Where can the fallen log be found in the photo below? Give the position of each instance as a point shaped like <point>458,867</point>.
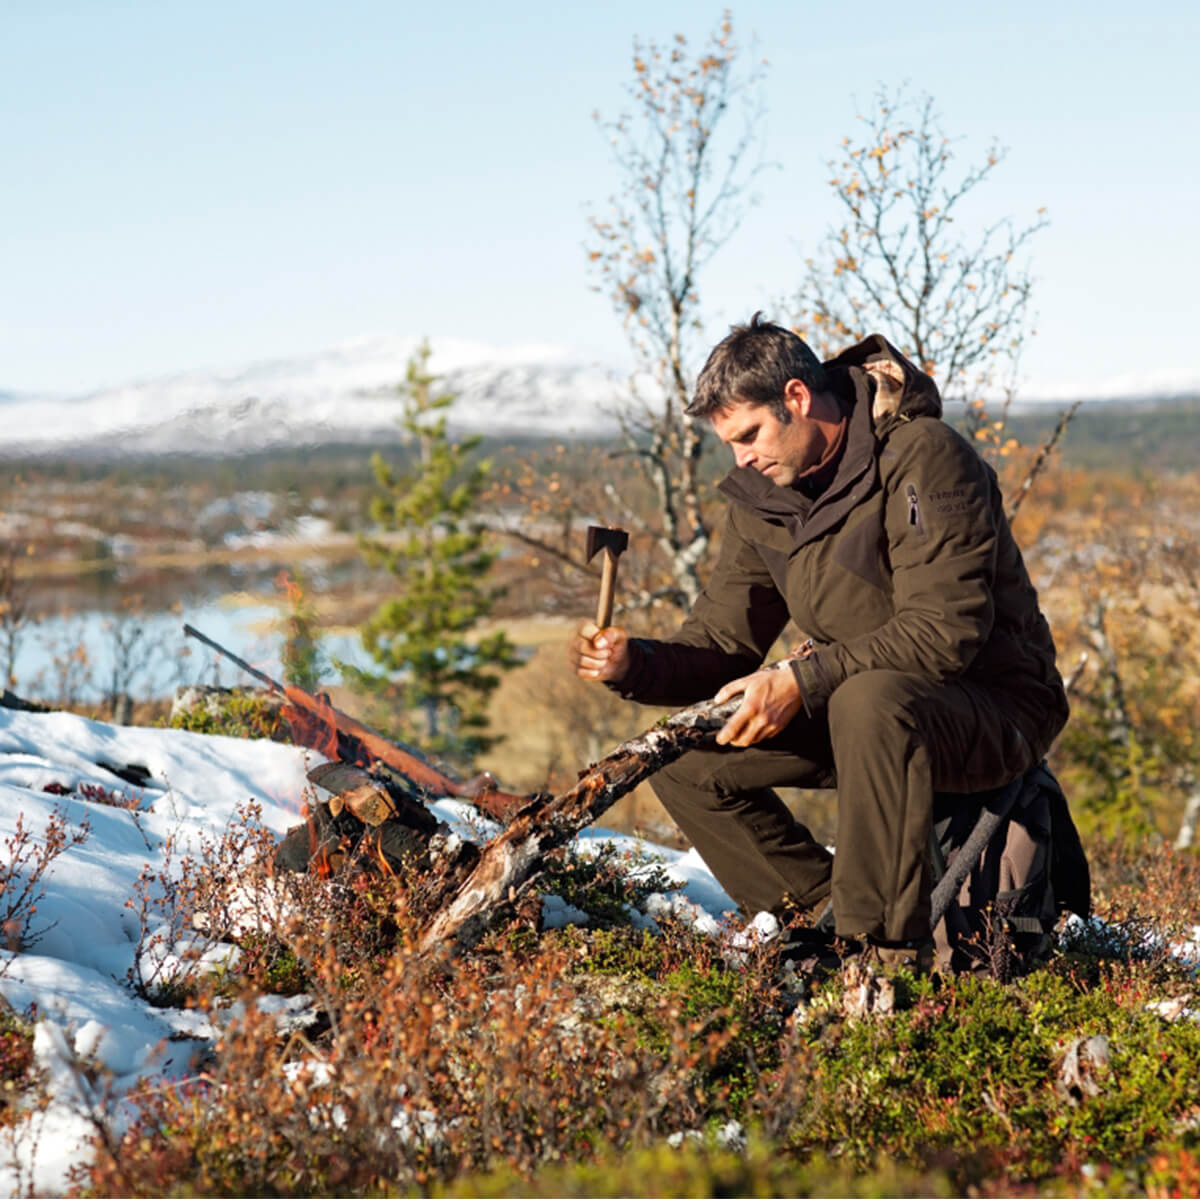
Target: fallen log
<point>508,863</point>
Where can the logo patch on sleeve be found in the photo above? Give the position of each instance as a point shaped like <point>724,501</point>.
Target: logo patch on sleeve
<point>951,500</point>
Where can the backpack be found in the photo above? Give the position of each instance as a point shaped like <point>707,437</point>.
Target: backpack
<point>1006,864</point>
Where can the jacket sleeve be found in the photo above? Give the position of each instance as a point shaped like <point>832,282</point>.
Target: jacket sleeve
<point>940,524</point>
<point>733,624</point>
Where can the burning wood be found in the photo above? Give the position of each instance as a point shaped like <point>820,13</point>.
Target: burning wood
<point>372,823</point>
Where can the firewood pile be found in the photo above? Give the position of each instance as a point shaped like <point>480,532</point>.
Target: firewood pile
<point>378,820</point>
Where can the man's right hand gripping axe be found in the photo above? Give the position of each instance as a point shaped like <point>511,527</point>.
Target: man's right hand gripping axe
<point>600,650</point>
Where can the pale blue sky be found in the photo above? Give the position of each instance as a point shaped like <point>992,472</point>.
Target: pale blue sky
<point>206,184</point>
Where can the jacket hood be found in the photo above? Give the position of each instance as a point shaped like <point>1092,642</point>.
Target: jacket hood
<point>901,388</point>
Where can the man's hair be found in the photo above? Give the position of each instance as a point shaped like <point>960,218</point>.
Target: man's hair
<point>752,365</point>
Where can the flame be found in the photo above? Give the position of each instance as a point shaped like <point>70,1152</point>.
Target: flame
<point>376,837</point>
<point>312,721</point>
<point>318,856</point>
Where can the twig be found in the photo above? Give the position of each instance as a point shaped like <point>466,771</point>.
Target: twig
<point>1040,461</point>
<point>536,543</point>
<point>1074,677</point>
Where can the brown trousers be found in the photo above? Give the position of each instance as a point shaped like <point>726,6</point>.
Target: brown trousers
<point>887,741</point>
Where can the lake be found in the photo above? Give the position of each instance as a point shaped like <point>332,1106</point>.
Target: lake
<point>79,656</point>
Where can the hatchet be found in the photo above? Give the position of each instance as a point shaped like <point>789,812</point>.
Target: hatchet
<point>612,542</point>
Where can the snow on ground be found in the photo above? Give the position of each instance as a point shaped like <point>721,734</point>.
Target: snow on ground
<point>86,945</point>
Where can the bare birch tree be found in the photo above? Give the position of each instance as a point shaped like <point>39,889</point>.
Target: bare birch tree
<point>686,150</point>
<point>900,262</point>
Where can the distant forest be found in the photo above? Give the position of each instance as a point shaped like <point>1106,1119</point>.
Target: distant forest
<point>1121,435</point>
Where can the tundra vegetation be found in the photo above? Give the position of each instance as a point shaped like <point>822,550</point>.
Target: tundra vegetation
<point>623,1057</point>
<point>617,1059</point>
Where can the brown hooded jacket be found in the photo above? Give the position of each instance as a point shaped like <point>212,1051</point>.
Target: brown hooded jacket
<point>905,561</point>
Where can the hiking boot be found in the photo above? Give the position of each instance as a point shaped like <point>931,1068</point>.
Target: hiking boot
<point>812,955</point>
<point>916,955</point>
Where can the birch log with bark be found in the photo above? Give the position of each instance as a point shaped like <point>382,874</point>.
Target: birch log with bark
<point>510,861</point>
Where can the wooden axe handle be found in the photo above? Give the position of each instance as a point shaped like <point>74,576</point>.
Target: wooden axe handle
<point>608,580</point>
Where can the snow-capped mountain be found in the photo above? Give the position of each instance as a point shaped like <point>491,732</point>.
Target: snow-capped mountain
<point>345,394</point>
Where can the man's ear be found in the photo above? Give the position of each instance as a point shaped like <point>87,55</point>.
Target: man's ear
<point>797,398</point>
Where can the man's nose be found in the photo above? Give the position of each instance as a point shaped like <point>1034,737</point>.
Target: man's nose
<point>743,455</point>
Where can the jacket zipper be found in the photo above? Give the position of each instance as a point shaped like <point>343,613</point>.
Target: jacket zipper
<point>914,509</point>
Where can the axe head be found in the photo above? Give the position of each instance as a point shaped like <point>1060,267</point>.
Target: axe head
<point>601,537</point>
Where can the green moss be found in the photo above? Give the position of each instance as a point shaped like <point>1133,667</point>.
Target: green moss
<point>730,1015</point>
<point>703,1168</point>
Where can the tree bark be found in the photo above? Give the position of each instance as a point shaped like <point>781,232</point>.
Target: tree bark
<point>1187,827</point>
<point>508,863</point>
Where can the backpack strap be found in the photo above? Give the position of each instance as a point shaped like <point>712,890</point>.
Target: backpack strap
<point>995,809</point>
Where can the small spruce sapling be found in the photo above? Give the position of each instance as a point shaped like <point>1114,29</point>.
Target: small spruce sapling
<point>423,638</point>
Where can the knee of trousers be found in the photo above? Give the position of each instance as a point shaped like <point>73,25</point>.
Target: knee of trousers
<point>693,781</point>
<point>874,707</point>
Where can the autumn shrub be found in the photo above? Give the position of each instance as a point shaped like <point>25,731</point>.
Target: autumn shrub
<point>411,1069</point>
<point>607,1060</point>
<point>422,1073</point>
<point>24,862</point>
<point>1115,559</point>
<point>1149,877</point>
<point>17,1068</point>
<point>212,912</point>
<point>1174,1171</point>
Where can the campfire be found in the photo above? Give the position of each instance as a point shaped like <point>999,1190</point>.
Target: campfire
<point>378,819</point>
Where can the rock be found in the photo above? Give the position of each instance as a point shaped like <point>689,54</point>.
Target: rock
<point>1174,1008</point>
<point>1085,1061</point>
<point>866,993</point>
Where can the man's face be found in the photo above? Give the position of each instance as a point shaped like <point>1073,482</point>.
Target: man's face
<point>780,450</point>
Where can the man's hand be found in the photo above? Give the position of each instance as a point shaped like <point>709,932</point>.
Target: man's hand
<point>597,653</point>
<point>770,699</point>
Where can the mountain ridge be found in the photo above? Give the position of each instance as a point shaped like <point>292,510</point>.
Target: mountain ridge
<point>346,394</point>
